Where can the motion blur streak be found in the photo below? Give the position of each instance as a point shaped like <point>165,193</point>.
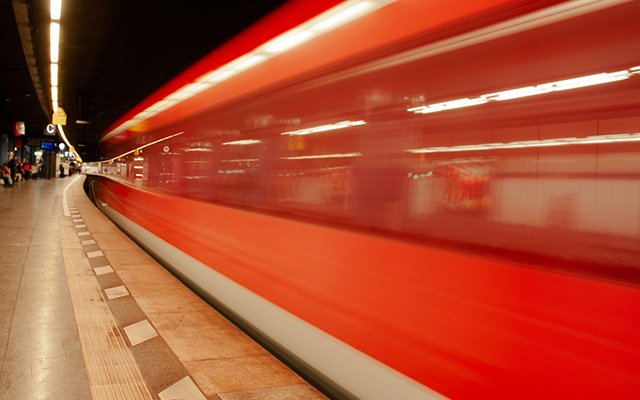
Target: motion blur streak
<point>486,250</point>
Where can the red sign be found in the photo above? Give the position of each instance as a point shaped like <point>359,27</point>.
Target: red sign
<point>20,129</point>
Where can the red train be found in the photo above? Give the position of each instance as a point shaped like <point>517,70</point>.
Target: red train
<point>410,199</point>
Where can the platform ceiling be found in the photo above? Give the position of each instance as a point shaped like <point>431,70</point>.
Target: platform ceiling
<point>113,53</point>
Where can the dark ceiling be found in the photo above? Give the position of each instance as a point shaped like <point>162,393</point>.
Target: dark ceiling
<point>112,55</point>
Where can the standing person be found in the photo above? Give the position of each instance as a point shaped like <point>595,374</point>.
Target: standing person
<point>12,167</point>
<point>61,171</point>
<point>26,169</point>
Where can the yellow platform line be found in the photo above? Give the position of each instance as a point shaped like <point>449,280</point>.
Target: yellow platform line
<point>112,369</point>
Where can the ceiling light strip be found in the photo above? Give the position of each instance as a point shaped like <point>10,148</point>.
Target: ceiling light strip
<point>324,128</point>
<point>568,141</point>
<point>244,142</point>
<point>323,156</point>
<point>567,84</point>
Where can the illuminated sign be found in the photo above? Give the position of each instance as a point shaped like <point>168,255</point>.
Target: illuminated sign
<point>20,129</point>
<point>50,130</point>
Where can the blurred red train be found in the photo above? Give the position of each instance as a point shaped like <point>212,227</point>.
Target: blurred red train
<point>409,199</point>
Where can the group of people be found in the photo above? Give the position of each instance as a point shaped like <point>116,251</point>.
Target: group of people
<point>16,171</point>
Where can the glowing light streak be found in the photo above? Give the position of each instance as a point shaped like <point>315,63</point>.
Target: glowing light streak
<point>324,128</point>
<point>567,84</point>
<point>143,146</point>
<point>54,74</point>
<point>568,141</point>
<point>54,42</point>
<point>331,19</point>
<point>56,9</point>
<point>321,156</point>
<point>244,142</point>
<point>448,105</point>
<point>288,40</point>
<point>344,15</point>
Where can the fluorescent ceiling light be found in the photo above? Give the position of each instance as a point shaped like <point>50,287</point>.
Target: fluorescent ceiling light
<point>55,41</point>
<point>242,142</point>
<point>56,9</point>
<point>54,105</point>
<point>448,105</point>
<point>54,74</point>
<point>324,128</point>
<point>567,141</point>
<point>54,94</point>
<point>517,93</point>
<point>321,156</point>
<point>590,80</point>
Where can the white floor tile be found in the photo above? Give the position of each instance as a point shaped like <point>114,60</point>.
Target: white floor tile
<point>103,270</point>
<point>87,242</point>
<point>116,292</point>
<point>140,332</point>
<point>183,389</point>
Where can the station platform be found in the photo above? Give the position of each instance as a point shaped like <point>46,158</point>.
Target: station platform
<point>86,314</point>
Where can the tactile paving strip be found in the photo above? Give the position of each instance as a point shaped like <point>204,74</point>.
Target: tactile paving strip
<point>112,369</point>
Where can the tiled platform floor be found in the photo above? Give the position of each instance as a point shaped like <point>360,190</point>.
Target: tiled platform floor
<point>136,332</point>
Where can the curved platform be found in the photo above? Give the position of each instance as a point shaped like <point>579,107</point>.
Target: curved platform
<point>85,313</point>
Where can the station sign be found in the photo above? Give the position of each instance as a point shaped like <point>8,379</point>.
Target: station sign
<point>59,117</point>
<point>50,130</point>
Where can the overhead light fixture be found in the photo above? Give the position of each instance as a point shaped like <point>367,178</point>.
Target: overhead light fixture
<point>54,74</point>
<point>54,93</point>
<point>56,9</point>
<point>448,105</point>
<point>567,84</point>
<point>324,128</point>
<point>322,156</point>
<point>567,141</point>
<point>55,41</point>
<point>244,142</point>
<point>54,105</point>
